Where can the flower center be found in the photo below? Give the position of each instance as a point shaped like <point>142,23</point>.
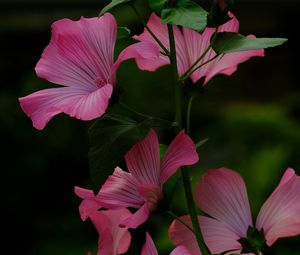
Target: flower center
<point>100,82</point>
<point>255,241</point>
<point>154,197</point>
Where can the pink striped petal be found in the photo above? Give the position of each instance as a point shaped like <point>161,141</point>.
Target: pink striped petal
<point>80,53</point>
<point>280,214</point>
<point>180,250</point>
<point>218,237</point>
<point>196,44</point>
<point>180,235</point>
<point>119,191</point>
<point>161,32</point>
<point>89,204</point>
<point>149,246</point>
<point>143,160</point>
<point>41,106</point>
<point>138,218</point>
<point>222,194</point>
<point>113,240</point>
<point>146,55</point>
<point>181,152</point>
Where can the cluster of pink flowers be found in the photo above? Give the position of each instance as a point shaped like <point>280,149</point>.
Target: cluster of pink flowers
<point>80,59</point>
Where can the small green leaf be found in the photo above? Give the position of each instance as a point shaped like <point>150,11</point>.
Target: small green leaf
<point>200,143</point>
<point>227,42</point>
<point>157,5</point>
<point>111,138</point>
<point>123,33</point>
<point>187,14</point>
<point>112,4</point>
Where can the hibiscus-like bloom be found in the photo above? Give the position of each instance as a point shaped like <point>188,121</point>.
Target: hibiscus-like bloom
<point>80,58</point>
<point>190,45</point>
<point>113,239</point>
<point>141,187</point>
<point>150,249</point>
<point>221,193</point>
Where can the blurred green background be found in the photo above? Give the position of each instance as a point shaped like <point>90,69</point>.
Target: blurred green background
<point>252,120</point>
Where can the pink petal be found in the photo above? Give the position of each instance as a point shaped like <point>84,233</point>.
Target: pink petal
<point>227,64</point>
<point>180,250</point>
<point>181,152</point>
<point>180,235</point>
<point>89,204</point>
<point>113,240</point>
<point>161,31</point>
<point>222,194</point>
<point>149,246</point>
<point>218,237</point>
<point>78,102</point>
<point>280,214</point>
<point>138,218</point>
<point>146,55</point>
<point>80,52</point>
<point>152,194</point>
<point>143,160</point>
<point>119,191</point>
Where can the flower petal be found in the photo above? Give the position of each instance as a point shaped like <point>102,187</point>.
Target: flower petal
<point>181,152</point>
<point>180,250</point>
<point>143,160</point>
<point>161,32</point>
<point>41,106</point>
<point>119,191</point>
<point>218,237</point>
<point>113,239</point>
<point>222,194</point>
<point>138,218</point>
<point>80,52</point>
<point>146,55</point>
<point>280,214</point>
<point>226,64</point>
<point>149,246</point>
<point>180,235</point>
<point>89,204</point>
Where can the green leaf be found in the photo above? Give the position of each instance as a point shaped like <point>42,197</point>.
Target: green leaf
<point>227,42</point>
<point>157,5</point>
<point>111,138</point>
<point>187,14</point>
<point>123,33</point>
<point>112,4</point>
<point>200,143</point>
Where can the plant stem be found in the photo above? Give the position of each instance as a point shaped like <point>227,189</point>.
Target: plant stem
<point>168,123</point>
<point>188,116</point>
<point>178,119</point>
<point>166,51</point>
<point>175,81</point>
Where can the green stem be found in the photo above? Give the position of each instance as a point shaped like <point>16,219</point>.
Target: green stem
<point>168,123</point>
<point>178,119</point>
<point>188,116</point>
<point>175,81</point>
<point>166,51</point>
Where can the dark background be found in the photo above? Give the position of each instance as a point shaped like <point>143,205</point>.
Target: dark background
<point>252,120</point>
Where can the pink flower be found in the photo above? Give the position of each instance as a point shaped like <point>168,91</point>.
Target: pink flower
<point>221,193</point>
<point>80,58</point>
<point>141,187</point>
<point>190,45</point>
<point>113,239</point>
<point>150,249</point>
